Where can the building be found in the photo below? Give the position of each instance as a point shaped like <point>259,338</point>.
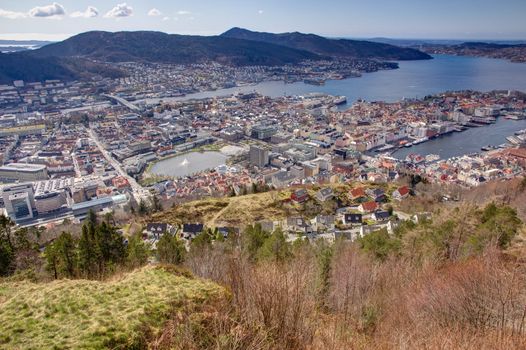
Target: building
<point>263,132</point>
<point>49,202</point>
<point>19,201</point>
<point>23,172</point>
<point>258,156</point>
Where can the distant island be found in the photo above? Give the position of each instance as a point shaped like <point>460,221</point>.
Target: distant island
<point>85,55</point>
<point>511,52</point>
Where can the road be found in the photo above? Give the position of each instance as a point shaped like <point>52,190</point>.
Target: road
<point>123,102</point>
<point>138,191</point>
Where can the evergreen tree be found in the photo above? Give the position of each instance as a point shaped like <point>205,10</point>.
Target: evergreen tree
<point>275,247</point>
<point>254,238</point>
<point>86,254</point>
<point>138,252</point>
<point>157,205</point>
<point>65,249</point>
<point>170,249</point>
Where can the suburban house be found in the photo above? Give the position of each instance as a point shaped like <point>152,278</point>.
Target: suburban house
<point>298,225</point>
<point>300,196</point>
<point>350,219</point>
<point>377,194</point>
<point>401,193</point>
<point>358,194</point>
<point>324,223</point>
<point>192,230</point>
<point>325,194</point>
<point>368,207</point>
<point>380,215</point>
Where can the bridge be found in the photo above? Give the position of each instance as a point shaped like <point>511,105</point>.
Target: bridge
<point>123,102</point>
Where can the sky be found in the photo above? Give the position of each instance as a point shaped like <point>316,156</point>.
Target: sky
<point>409,19</point>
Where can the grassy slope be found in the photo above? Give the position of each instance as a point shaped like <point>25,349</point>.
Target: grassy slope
<point>248,209</point>
<point>85,314</point>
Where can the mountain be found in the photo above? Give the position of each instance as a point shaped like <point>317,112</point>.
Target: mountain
<point>330,47</point>
<point>18,66</point>
<point>146,46</point>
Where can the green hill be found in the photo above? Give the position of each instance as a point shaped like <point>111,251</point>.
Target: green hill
<point>82,314</point>
<point>330,47</point>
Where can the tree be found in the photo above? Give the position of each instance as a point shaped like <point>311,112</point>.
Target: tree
<point>380,244</point>
<point>275,247</point>
<point>86,254</point>
<point>203,240</point>
<point>51,259</point>
<point>170,249</point>
<point>143,208</point>
<point>254,238</point>
<point>157,205</point>
<point>64,249</point>
<point>137,253</point>
<point>6,257</point>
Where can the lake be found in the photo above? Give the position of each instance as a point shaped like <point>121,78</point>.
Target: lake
<point>188,164</point>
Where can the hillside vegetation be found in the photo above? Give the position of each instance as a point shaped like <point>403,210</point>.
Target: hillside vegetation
<point>124,312</point>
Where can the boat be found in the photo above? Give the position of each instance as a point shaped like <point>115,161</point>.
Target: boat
<point>487,148</point>
<point>340,100</point>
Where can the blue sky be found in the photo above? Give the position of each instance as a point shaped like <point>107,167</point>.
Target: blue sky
<point>437,19</point>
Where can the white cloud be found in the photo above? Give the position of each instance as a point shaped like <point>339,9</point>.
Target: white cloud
<point>154,12</point>
<point>12,14</point>
<point>166,18</point>
<point>89,13</point>
<point>260,12</point>
<point>121,10</point>
<point>183,13</point>
<point>48,11</point>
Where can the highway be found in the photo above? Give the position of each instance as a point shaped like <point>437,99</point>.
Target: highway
<point>138,191</point>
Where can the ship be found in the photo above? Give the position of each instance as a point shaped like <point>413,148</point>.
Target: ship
<point>488,148</point>
<point>340,100</point>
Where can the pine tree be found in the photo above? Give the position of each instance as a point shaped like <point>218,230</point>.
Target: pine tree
<point>138,252</point>
<point>170,249</point>
<point>86,256</point>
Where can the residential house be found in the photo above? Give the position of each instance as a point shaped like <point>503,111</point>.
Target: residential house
<point>300,196</point>
<point>377,194</point>
<point>358,194</point>
<point>324,223</point>
<point>192,230</point>
<point>381,215</point>
<point>401,193</point>
<point>298,225</point>
<point>352,219</point>
<point>325,194</point>
<point>368,207</point>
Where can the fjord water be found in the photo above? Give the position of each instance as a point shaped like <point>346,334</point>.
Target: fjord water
<point>412,79</point>
<point>416,79</point>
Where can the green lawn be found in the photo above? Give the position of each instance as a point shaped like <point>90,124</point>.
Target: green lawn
<point>84,314</point>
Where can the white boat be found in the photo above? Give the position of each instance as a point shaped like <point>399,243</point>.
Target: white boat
<point>340,100</point>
